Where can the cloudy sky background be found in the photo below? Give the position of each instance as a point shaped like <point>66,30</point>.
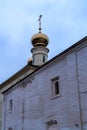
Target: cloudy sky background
<point>64,21</point>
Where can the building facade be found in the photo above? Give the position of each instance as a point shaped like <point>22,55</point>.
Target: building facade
<point>49,97</point>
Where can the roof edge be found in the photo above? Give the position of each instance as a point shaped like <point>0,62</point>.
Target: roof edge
<point>18,74</point>
<point>36,68</point>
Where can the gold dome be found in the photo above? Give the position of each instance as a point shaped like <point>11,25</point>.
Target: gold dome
<point>29,60</point>
<point>39,39</point>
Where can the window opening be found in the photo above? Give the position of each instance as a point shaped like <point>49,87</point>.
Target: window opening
<point>56,88</point>
<point>43,58</point>
<point>10,128</point>
<point>10,105</point>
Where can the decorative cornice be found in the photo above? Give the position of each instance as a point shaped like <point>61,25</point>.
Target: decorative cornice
<point>25,82</point>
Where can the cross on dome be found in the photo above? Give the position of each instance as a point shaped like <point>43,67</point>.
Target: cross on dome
<point>40,23</point>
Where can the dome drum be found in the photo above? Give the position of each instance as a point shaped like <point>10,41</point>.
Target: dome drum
<point>39,50</point>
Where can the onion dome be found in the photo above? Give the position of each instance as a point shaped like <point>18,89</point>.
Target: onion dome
<point>40,39</point>
<point>29,60</point>
<point>39,50</point>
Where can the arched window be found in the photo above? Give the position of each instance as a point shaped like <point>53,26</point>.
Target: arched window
<point>55,87</point>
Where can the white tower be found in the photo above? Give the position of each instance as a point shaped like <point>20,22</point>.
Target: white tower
<point>39,50</point>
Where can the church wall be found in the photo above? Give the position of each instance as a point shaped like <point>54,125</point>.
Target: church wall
<point>73,92</point>
<point>34,107</point>
<point>42,106</point>
<point>82,78</point>
<point>13,117</point>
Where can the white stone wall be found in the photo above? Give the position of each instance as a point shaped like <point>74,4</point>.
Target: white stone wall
<point>33,105</point>
<point>82,78</point>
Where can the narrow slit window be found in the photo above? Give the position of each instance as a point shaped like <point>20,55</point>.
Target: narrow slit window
<point>56,88</point>
<point>43,58</point>
<point>10,104</point>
